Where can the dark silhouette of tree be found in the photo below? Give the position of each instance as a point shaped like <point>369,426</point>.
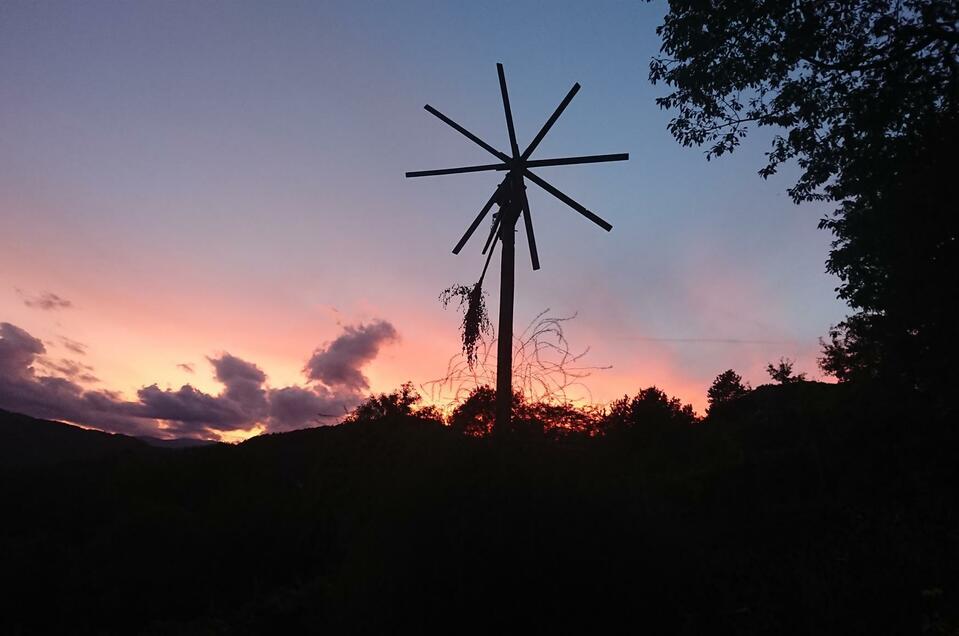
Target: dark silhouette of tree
<point>400,403</point>
<point>727,387</point>
<point>783,372</point>
<point>649,411</point>
<point>854,349</point>
<point>560,420</point>
<point>865,95</point>
<point>475,415</point>
<point>896,251</point>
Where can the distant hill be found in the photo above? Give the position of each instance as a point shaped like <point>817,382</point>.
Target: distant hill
<point>179,442</point>
<point>28,441</point>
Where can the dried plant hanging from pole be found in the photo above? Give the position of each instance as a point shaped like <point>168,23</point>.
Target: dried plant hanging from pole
<point>476,322</point>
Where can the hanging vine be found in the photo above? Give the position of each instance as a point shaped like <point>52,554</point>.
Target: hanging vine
<point>472,302</point>
<point>476,322</point>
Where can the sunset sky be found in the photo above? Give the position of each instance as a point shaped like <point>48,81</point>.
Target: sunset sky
<point>196,190</point>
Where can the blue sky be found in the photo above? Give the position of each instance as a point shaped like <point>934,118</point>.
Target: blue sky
<point>202,177</point>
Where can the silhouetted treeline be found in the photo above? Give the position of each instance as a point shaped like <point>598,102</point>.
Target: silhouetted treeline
<point>862,96</point>
<point>800,508</point>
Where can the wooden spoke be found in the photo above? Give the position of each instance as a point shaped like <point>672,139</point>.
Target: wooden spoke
<point>482,144</point>
<point>568,201</point>
<point>434,173</point>
<point>568,161</point>
<point>509,112</point>
<point>477,221</point>
<point>552,120</point>
<point>530,237</point>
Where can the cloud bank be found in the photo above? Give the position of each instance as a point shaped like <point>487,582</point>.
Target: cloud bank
<point>72,345</point>
<point>338,363</point>
<point>336,385</point>
<point>47,301</point>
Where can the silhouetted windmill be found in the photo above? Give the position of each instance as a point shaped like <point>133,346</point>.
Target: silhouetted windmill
<point>510,196</point>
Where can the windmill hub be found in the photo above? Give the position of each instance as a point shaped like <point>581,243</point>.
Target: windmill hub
<point>510,197</point>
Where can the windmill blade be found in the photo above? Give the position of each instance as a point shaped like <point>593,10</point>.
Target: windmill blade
<point>568,161</point>
<point>477,221</point>
<point>567,200</point>
<point>536,163</point>
<point>509,112</point>
<point>485,146</point>
<point>492,233</point>
<point>434,173</point>
<point>530,237</point>
<point>552,120</point>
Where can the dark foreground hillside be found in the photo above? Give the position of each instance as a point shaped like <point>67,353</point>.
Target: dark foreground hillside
<point>801,509</point>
